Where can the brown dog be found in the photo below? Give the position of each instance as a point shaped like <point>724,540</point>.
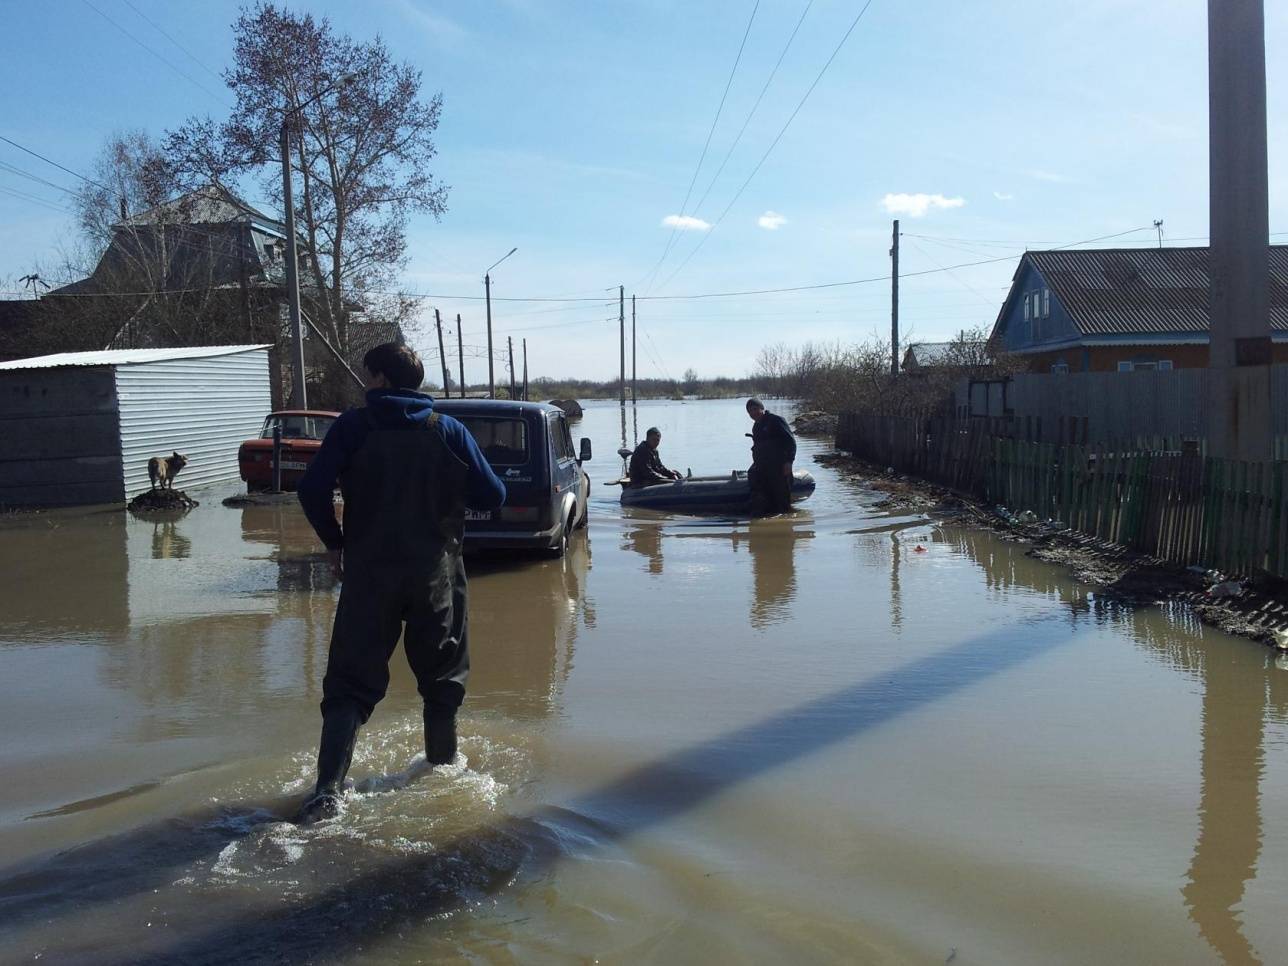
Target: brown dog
<point>163,470</point>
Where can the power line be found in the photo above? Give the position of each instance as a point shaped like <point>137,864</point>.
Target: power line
<point>752,112</point>
<point>34,154</point>
<point>14,169</point>
<point>14,192</point>
<point>711,131</point>
<point>773,144</point>
<point>875,278</point>
<point>182,73</point>
<point>159,29</point>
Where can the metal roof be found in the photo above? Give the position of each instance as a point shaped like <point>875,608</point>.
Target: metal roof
<point>1117,291</point>
<point>126,357</point>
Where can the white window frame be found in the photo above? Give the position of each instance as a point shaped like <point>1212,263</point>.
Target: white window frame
<point>1046,303</point>
<point>1026,307</point>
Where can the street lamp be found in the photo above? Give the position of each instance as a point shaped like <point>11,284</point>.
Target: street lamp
<point>487,288</point>
<point>299,391</point>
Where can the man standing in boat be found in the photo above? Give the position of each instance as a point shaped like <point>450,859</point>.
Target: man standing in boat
<point>773,449</point>
<point>646,466</point>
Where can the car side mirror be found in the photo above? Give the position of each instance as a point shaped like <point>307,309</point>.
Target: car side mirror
<point>585,450</point>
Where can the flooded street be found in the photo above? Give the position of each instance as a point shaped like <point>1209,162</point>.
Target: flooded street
<point>841,735</point>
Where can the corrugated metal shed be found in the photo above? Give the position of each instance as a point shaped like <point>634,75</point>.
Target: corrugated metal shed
<point>80,427</point>
<point>203,407</point>
<point>1117,291</point>
<point>126,357</point>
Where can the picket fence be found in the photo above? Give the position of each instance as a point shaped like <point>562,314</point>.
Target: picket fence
<point>1157,496</point>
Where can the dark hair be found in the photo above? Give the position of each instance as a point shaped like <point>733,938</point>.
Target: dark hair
<point>397,363</point>
<point>652,431</point>
<point>755,403</point>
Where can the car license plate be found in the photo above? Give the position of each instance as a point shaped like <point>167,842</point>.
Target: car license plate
<point>478,514</point>
<point>293,465</point>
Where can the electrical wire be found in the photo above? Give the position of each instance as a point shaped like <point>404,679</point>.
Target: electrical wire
<point>60,167</point>
<point>159,29</point>
<point>21,172</point>
<point>770,149</point>
<point>710,132</point>
<point>178,70</point>
<point>752,112</point>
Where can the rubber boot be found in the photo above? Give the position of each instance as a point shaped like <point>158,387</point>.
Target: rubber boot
<point>440,738</point>
<point>335,753</point>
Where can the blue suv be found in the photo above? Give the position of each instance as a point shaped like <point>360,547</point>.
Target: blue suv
<point>529,446</point>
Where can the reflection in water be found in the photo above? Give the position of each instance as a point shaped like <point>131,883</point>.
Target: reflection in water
<point>646,539</point>
<point>524,621</point>
<point>773,566</point>
<point>1229,844</point>
<point>896,598</point>
<point>1236,688</point>
<point>168,542</point>
<point>770,542</point>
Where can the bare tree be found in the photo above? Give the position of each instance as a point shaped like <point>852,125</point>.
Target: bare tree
<point>361,153</point>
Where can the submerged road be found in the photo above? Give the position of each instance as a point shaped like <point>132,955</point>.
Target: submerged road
<point>842,735</point>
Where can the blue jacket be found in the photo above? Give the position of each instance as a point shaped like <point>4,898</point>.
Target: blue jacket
<point>390,409</point>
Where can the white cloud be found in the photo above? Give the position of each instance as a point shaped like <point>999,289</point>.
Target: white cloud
<point>917,205</point>
<point>1003,196</point>
<point>685,223</point>
<point>1039,175</point>
<point>771,221</point>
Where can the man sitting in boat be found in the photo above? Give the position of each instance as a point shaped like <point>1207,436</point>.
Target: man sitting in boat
<point>646,466</point>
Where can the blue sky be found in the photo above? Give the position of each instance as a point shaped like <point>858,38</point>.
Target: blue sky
<point>572,130</point>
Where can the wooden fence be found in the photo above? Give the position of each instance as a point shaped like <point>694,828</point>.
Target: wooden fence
<point>1152,495</point>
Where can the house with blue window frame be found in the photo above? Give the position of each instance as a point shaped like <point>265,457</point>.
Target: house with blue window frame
<point>1120,310</point>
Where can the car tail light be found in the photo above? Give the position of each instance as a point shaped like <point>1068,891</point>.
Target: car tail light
<point>520,514</point>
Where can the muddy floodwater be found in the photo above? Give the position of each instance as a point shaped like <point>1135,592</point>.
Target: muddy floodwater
<point>841,735</point>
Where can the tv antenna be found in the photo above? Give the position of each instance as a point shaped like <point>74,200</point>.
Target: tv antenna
<point>1158,226</point>
<point>33,282</point>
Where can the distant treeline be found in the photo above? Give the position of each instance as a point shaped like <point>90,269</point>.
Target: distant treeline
<point>720,387</point>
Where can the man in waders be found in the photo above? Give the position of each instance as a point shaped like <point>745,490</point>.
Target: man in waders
<point>773,449</point>
<point>407,475</point>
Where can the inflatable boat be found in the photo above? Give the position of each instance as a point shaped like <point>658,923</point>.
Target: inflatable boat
<point>707,494</point>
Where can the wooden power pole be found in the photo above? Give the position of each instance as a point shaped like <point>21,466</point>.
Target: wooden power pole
<point>634,371</point>
<point>460,355</point>
<point>894,301</point>
<point>1240,349</point>
<point>442,354</point>
<point>509,341</point>
<point>621,327</point>
<point>525,370</point>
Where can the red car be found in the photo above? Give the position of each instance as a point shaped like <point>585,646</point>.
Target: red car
<point>302,432</point>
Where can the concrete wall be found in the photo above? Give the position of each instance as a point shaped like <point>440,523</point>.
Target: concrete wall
<point>60,440</point>
<point>203,408</point>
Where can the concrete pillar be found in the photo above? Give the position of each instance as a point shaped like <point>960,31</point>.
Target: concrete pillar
<point>1239,417</point>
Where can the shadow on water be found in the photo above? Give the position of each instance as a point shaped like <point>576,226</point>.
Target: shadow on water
<point>412,888</point>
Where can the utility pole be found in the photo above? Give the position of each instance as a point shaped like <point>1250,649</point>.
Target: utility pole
<point>1158,226</point>
<point>299,391</point>
<point>621,326</point>
<point>894,301</point>
<point>1238,197</point>
<point>509,339</point>
<point>525,370</point>
<point>491,379</point>
<point>442,354</point>
<point>460,354</point>
<point>634,371</point>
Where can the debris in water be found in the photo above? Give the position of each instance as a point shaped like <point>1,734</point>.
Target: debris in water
<point>952,954</point>
<point>162,500</point>
<point>919,549</point>
<point>1229,588</point>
